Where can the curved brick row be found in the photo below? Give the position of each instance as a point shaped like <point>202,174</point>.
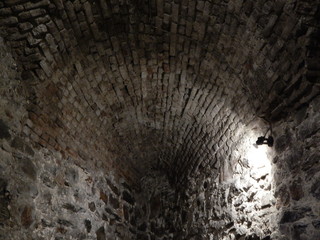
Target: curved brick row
<point>170,95</point>
<point>104,75</point>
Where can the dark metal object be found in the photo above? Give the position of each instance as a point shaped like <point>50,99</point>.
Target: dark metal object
<point>263,140</point>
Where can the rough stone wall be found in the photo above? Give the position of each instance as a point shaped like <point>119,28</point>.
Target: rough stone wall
<point>297,175</point>
<point>116,84</point>
<point>46,196</point>
<point>239,207</point>
<point>180,75</point>
<point>162,211</point>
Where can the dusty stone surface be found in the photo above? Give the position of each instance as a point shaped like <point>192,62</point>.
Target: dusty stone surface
<point>151,75</point>
<point>101,98</point>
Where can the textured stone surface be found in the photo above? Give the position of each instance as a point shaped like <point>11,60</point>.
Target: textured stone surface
<point>158,77</point>
<point>100,98</point>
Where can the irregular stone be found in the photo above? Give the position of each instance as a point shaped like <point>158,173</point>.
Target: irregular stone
<point>9,21</point>
<point>28,150</point>
<point>294,158</point>
<point>312,160</point>
<point>125,185</point>
<point>92,206</point>
<point>18,143</point>
<point>258,174</point>
<point>101,235</point>
<point>113,187</point>
<point>64,222</point>
<point>4,130</point>
<point>46,223</point>
<point>87,224</point>
<point>308,127</point>
<point>126,196</point>
<point>28,168</point>
<point>26,216</point>
<point>282,143</point>
<point>103,197</point>
<point>71,207</point>
<point>126,212</point>
<point>114,202</point>
<point>29,189</point>
<point>301,115</point>
<point>72,175</point>
<point>296,190</point>
<point>298,230</point>
<point>316,224</point>
<point>315,189</point>
<point>266,200</point>
<point>4,211</point>
<point>282,196</point>
<point>46,179</point>
<point>294,214</point>
<point>112,214</point>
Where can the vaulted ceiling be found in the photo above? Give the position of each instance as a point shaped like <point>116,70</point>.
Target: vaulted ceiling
<point>139,85</point>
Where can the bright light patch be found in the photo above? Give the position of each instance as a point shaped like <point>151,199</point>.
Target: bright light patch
<point>258,159</point>
<point>257,156</point>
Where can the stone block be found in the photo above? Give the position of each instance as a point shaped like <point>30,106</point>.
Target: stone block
<point>296,190</point>
<point>315,189</point>
<point>92,206</point>
<point>114,202</point>
<point>26,216</point>
<point>294,214</point>
<point>9,21</point>
<point>103,197</point>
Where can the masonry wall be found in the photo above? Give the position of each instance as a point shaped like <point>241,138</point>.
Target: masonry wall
<point>162,93</point>
<point>297,173</point>
<point>273,195</point>
<point>46,196</point>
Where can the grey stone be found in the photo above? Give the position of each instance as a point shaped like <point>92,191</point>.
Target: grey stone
<point>311,161</point>
<point>316,224</point>
<point>72,175</point>
<point>296,190</point>
<point>308,127</point>
<point>47,180</point>
<point>4,211</point>
<point>282,143</point>
<point>28,168</point>
<point>315,189</point>
<point>71,207</point>
<point>18,143</point>
<point>294,215</point>
<point>64,222</point>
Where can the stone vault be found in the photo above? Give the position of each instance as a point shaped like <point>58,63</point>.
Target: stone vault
<point>144,89</point>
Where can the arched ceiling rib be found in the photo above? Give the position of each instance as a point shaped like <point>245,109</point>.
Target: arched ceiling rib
<point>142,84</point>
